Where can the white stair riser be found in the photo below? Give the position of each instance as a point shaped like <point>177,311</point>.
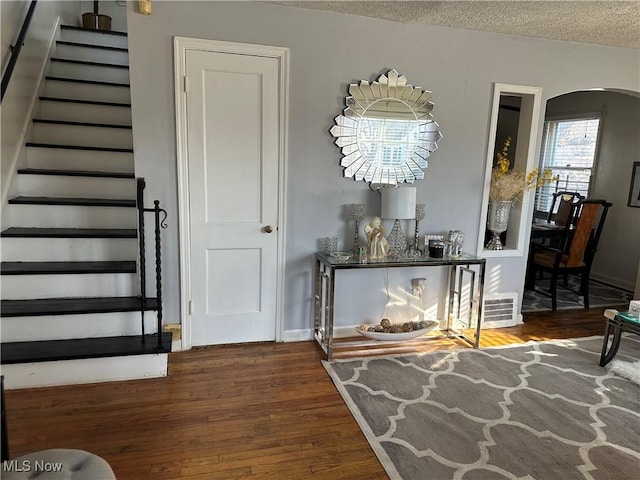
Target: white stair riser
<point>86,91</point>
<point>89,370</point>
<point>89,72</point>
<point>61,134</point>
<point>82,112</point>
<point>93,38</point>
<point>83,187</point>
<point>22,287</point>
<point>68,249</point>
<point>62,159</point>
<point>89,54</point>
<point>62,327</point>
<point>70,216</point>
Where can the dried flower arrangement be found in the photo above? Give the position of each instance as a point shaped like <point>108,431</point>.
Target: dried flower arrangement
<point>507,184</point>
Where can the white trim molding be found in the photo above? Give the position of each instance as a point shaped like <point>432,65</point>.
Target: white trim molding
<point>181,46</point>
<point>525,159</point>
<point>19,142</point>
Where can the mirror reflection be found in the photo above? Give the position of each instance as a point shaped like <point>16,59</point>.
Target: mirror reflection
<point>387,131</point>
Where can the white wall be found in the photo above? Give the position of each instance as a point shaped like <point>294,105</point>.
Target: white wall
<point>26,76</point>
<point>618,254</point>
<point>329,51</point>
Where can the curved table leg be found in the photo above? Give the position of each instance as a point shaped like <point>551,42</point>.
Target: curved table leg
<point>606,357</point>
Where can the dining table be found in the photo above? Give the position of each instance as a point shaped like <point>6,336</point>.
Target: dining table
<point>542,229</point>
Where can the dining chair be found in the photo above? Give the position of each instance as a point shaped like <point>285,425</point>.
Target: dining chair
<point>563,213</point>
<point>575,252</point>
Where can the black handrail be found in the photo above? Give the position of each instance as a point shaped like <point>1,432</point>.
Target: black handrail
<point>141,239</point>
<point>15,49</point>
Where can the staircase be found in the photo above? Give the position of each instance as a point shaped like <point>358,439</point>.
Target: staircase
<point>71,309</point>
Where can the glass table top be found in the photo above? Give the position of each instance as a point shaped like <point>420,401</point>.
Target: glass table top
<point>338,259</point>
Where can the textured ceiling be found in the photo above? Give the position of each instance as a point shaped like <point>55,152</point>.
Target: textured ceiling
<point>613,23</point>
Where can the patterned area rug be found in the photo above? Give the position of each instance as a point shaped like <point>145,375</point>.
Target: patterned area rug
<point>600,295</point>
<point>537,411</point>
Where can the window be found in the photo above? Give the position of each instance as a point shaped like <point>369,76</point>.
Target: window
<point>569,151</point>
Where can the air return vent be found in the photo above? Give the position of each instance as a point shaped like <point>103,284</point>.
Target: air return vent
<point>500,310</point>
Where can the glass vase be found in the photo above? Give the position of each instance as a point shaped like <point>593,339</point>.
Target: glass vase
<point>497,222</point>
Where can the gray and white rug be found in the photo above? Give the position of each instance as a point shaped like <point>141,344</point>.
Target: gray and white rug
<point>600,295</point>
<point>538,411</point>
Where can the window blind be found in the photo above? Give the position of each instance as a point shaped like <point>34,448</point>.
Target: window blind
<point>569,151</point>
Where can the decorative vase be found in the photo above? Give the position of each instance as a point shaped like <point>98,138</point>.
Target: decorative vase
<point>497,222</point>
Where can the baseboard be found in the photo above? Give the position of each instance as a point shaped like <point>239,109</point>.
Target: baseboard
<point>612,282</point>
<point>307,334</point>
<point>301,335</point>
<point>90,370</point>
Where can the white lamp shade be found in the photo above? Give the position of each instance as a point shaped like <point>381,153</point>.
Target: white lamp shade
<point>399,203</point>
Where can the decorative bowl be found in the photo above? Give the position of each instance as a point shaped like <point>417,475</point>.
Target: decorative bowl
<point>394,337</point>
<point>342,256</point>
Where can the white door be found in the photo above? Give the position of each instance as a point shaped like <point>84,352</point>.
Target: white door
<point>233,156</point>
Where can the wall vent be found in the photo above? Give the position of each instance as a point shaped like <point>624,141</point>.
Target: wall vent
<point>500,310</point>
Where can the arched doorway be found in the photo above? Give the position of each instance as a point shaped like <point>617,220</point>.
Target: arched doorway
<point>617,262</point>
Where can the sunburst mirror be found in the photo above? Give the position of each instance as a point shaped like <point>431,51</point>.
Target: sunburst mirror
<point>387,131</point>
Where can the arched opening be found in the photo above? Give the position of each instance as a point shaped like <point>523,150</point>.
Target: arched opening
<point>617,262</point>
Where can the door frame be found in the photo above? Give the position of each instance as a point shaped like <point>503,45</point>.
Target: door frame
<point>181,46</point>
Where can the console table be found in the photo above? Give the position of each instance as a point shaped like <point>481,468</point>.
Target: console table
<point>458,267</point>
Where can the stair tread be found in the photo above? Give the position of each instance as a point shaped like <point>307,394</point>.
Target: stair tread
<point>51,268</point>
<point>34,232</point>
<point>90,82</point>
<point>81,124</point>
<point>73,306</point>
<point>88,102</point>
<point>80,348</point>
<point>91,30</point>
<point>75,173</point>
<point>86,62</point>
<point>79,147</point>
<point>89,202</point>
<point>89,45</point>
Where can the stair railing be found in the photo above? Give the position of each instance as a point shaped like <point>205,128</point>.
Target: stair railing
<point>159,224</point>
<point>15,49</point>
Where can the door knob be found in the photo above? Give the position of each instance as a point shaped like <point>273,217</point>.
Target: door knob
<point>268,229</point>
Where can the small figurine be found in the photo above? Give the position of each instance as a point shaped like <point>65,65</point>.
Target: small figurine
<point>378,245</point>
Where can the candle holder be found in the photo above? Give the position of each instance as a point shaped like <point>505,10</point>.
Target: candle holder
<point>357,214</point>
<point>420,214</point>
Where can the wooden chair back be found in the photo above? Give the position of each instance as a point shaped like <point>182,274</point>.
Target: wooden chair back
<point>590,217</point>
<point>564,216</point>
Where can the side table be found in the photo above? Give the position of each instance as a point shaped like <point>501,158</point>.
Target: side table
<point>617,322</point>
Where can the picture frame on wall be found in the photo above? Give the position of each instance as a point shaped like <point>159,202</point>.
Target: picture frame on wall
<point>634,190</point>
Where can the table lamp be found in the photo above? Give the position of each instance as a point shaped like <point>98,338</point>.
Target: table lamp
<point>398,204</point>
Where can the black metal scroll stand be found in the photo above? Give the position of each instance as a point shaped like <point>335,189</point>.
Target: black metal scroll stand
<point>159,223</point>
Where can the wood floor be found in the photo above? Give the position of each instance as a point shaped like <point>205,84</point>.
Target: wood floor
<point>263,411</point>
